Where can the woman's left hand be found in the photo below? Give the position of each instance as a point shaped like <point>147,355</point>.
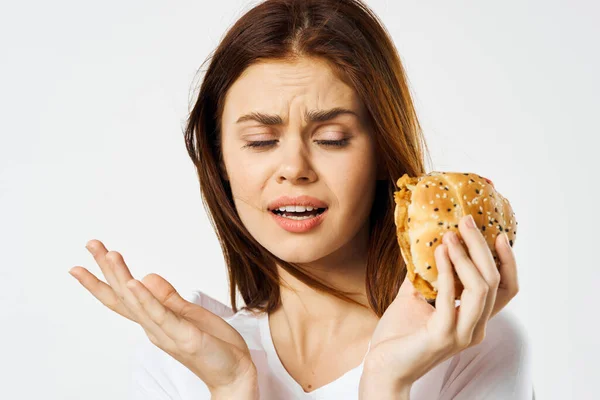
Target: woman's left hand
<point>412,336</point>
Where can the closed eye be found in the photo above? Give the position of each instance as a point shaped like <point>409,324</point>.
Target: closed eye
<point>267,143</point>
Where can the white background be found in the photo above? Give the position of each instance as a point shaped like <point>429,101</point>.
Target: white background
<point>93,99</point>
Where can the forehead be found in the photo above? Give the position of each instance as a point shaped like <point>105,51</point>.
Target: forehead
<point>278,87</point>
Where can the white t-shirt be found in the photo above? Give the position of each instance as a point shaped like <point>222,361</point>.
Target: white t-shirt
<point>499,368</point>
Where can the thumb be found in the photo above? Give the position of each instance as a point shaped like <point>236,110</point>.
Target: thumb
<point>165,293</point>
<point>200,317</point>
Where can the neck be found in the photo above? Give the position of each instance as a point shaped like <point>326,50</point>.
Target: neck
<point>311,319</point>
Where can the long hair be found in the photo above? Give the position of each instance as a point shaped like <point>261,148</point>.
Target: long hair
<point>359,50</point>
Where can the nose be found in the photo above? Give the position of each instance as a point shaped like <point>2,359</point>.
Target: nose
<point>295,165</point>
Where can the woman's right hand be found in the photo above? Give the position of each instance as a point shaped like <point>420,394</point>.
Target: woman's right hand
<point>202,341</point>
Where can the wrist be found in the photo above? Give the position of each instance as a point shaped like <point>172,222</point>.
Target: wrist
<point>371,391</point>
<point>381,387</point>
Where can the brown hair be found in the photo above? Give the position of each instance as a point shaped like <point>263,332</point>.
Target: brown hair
<point>350,37</point>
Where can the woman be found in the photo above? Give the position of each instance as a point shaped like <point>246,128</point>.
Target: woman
<point>303,123</point>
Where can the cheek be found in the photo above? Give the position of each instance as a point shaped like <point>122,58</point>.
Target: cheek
<point>246,176</point>
<point>247,184</point>
<point>356,184</point>
<point>246,191</point>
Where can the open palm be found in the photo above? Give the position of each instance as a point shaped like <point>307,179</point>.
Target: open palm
<point>202,341</point>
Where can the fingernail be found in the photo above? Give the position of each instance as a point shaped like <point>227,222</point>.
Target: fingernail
<point>506,240</point>
<point>454,237</point>
<point>470,221</point>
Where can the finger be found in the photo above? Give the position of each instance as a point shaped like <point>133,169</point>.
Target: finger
<point>127,299</point>
<point>509,282</point>
<point>479,251</point>
<point>119,269</point>
<point>98,251</point>
<point>122,275</point>
<point>165,293</point>
<point>445,313</point>
<point>176,328</point>
<point>507,288</point>
<point>107,296</point>
<point>483,259</point>
<point>472,299</point>
<point>186,338</point>
<point>100,291</point>
<point>201,318</point>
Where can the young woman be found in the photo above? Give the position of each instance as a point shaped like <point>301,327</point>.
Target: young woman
<point>302,125</point>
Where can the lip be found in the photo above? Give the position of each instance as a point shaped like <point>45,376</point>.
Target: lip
<point>296,201</point>
<point>300,226</point>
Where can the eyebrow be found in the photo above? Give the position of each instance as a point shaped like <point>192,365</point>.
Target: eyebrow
<point>312,116</point>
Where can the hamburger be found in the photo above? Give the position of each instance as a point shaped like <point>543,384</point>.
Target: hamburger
<point>430,205</point>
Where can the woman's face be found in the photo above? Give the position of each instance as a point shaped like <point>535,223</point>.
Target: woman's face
<point>295,163</point>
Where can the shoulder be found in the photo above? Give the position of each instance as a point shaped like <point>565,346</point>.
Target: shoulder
<point>211,304</point>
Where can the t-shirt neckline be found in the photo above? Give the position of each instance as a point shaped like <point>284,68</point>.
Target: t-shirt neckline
<point>279,370</point>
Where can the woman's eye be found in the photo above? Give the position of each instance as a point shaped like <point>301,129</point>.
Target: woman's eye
<point>337,143</point>
<point>266,143</point>
<point>260,143</point>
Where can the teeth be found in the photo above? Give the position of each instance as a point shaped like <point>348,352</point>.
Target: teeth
<point>297,218</point>
<point>293,208</point>
<point>297,208</point>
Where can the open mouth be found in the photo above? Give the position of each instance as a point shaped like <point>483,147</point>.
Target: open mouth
<point>299,215</point>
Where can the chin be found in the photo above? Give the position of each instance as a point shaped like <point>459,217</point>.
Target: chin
<point>295,252</point>
<point>303,248</point>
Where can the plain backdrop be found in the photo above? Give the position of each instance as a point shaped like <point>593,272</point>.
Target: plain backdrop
<point>93,99</point>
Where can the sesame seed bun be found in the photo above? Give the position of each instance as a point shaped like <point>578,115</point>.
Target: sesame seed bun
<point>430,205</point>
